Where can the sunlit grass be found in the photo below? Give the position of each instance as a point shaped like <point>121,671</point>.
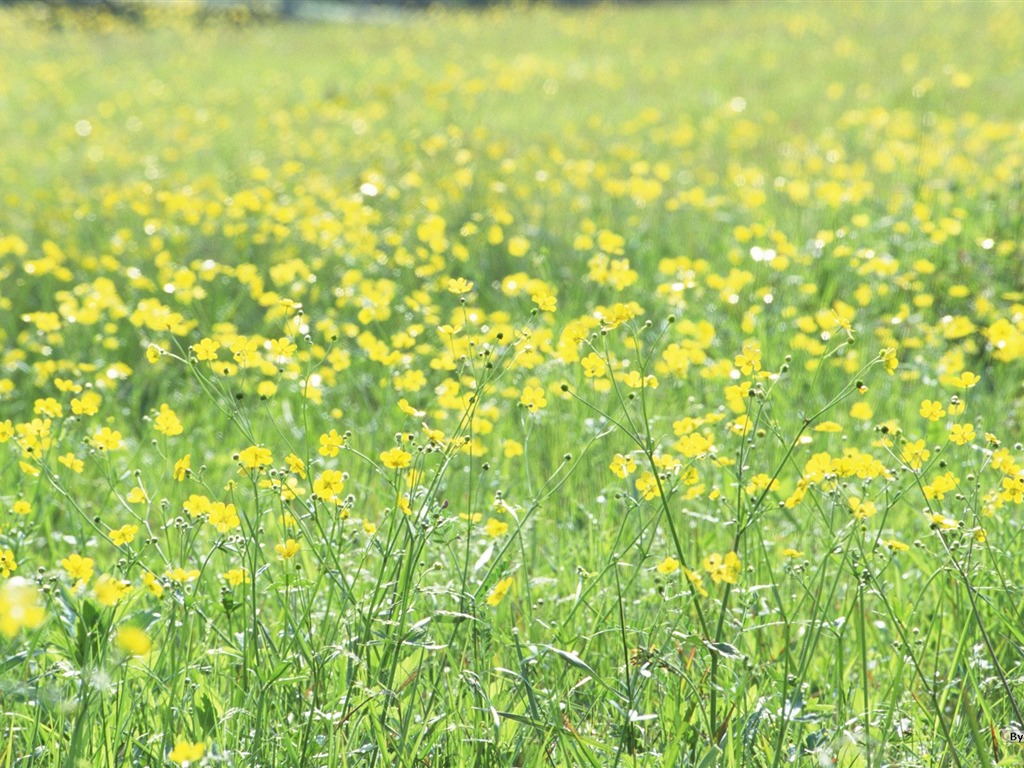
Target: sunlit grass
<point>622,386</point>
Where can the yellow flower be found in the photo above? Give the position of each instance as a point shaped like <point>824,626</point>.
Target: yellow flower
<point>255,457</point>
<point>594,366</point>
<point>861,411</point>
<point>761,482</point>
<point>942,522</point>
<point>932,410</point>
<point>288,549</point>
<point>237,576</point>
<point>697,581</point>
<point>182,467</point>
<point>124,535</point>
<point>224,517</point>
<point>396,458</point>
<point>197,505</point>
<point>136,496</point>
<point>459,285</point>
<point>500,590</point>
<point>206,349</point>
<point>962,434</point>
<point>7,562</point>
<point>725,569</point>
<point>622,466</point>
<point>72,462</point>
<point>494,527</point>
<point>21,507</point>
<point>295,465</point>
<point>966,380</point>
<point>533,398</point>
<point>86,405</point>
<point>48,406</point>
<point>915,454</point>
<point>749,360</point>
<point>408,410</point>
<point>330,443</point>
<point>545,302</point>
<point>167,422</point>
<point>329,484</point>
<point>647,486</point>
<point>133,641</point>
<point>78,567</point>
<point>862,509</point>
<point>511,448</point>
<point>109,591</point>
<point>897,546</point>
<point>187,752</point>
<point>667,566</point>
<point>181,575</point>
<point>828,426</point>
<point>888,358</point>
<point>19,607</point>
<point>107,439</point>
<point>153,584</point>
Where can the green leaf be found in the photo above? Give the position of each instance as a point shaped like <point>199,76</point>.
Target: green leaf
<point>87,633</point>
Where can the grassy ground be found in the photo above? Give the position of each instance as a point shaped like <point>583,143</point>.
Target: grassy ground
<point>614,387</point>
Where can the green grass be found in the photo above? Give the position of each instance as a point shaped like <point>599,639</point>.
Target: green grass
<point>802,220</point>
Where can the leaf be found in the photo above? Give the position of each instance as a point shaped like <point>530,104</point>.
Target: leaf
<point>572,658</point>
<point>206,715</point>
<point>86,634</point>
<point>726,650</point>
<point>12,661</point>
<point>711,758</point>
<point>483,559</point>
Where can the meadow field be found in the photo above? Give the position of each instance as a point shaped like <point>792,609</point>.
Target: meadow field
<point>606,386</point>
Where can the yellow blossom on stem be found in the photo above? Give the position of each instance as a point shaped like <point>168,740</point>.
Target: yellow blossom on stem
<point>622,465</point>
<point>395,458</point>
<point>255,457</point>
<point>459,285</point>
<point>19,607</point>
<point>78,567</point>
<point>288,549</point>
<point>107,439</point>
<point>133,641</point>
<point>330,443</point>
<point>500,590</point>
<point>110,590</point>
<point>931,410</point>
<point>182,467</point>
<point>7,562</point>
<point>236,576</point>
<point>152,583</point>
<point>725,569</point>
<point>494,527</point>
<point>668,566</point>
<point>961,434</point>
<point>124,535</point>
<point>186,753</point>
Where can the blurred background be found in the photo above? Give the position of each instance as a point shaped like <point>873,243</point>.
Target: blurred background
<point>311,10</point>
